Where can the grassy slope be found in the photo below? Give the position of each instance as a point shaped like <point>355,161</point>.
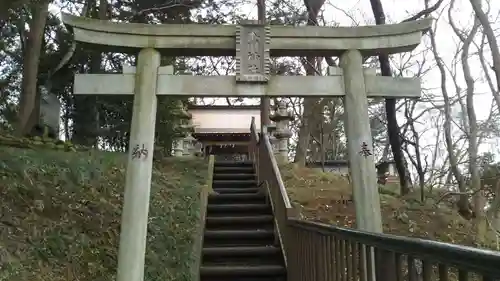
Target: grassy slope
<point>60,214</point>
<point>317,195</point>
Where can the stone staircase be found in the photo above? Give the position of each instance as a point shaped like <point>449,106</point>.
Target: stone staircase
<point>239,243</point>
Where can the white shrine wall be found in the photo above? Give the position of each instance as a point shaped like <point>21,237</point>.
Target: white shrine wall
<point>225,120</point>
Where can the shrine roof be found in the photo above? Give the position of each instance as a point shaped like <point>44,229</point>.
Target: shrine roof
<point>221,135</point>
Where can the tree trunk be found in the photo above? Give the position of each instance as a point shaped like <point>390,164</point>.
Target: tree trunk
<point>473,141</point>
<point>390,109</point>
<point>28,112</point>
<point>309,103</point>
<point>304,133</point>
<point>463,201</point>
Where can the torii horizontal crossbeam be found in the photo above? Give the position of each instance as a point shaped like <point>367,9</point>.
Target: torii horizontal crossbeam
<point>226,86</point>
<point>219,40</point>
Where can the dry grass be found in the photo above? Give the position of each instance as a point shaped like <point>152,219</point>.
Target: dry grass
<point>326,197</point>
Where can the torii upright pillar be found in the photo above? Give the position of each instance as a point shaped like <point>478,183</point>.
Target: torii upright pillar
<point>359,144</point>
<point>132,249</point>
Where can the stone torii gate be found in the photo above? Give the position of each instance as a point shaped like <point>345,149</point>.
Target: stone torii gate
<point>253,44</point>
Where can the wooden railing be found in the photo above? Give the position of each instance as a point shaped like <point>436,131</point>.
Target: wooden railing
<point>269,177</point>
<point>204,192</point>
<point>320,252</point>
<point>329,253</point>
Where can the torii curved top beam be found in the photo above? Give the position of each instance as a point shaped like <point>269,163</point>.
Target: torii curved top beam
<point>220,40</point>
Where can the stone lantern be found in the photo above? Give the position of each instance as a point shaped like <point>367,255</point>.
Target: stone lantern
<point>282,118</point>
<point>181,137</point>
<point>189,144</point>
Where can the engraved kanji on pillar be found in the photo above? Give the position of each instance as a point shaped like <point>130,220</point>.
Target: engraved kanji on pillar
<point>252,52</point>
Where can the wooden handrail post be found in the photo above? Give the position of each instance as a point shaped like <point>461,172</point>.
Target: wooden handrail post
<point>385,265</point>
<point>211,165</point>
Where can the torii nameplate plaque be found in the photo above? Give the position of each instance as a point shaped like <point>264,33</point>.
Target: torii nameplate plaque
<point>252,52</point>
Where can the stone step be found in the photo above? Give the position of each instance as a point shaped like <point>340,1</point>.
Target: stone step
<point>241,251</point>
<point>243,170</point>
<point>242,255</point>
<point>239,241</point>
<point>257,270</point>
<point>233,190</point>
<point>233,164</point>
<point>253,209</point>
<point>221,222</point>
<point>236,220</point>
<point>236,170</point>
<point>239,234</point>
<point>220,238</point>
<point>234,176</point>
<point>234,183</point>
<point>240,198</point>
<point>244,278</point>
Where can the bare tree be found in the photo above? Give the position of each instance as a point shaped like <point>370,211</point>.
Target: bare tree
<point>462,204</point>
<point>471,126</point>
<point>310,104</point>
<point>390,108</point>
